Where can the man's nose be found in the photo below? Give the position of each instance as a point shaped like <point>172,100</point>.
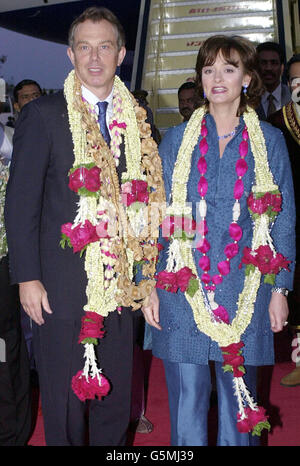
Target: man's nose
<point>95,53</point>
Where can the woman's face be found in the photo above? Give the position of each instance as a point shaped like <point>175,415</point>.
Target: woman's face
<point>222,81</point>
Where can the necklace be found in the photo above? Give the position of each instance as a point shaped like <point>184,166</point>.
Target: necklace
<point>235,231</point>
<point>228,135</point>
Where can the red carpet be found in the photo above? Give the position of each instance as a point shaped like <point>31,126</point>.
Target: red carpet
<point>282,404</point>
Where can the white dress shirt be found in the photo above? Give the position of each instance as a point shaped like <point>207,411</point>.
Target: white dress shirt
<point>277,99</point>
<point>92,99</point>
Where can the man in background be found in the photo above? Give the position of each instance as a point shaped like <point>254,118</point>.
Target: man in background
<point>186,99</point>
<point>287,119</point>
<point>15,405</point>
<point>25,91</point>
<point>271,68</point>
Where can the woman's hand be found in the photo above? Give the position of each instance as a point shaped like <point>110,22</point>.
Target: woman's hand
<point>278,311</point>
<point>151,310</point>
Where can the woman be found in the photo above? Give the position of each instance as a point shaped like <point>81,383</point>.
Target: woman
<point>228,240</point>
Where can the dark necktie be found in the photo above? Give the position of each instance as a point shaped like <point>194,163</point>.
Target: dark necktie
<point>102,121</point>
<point>271,107</point>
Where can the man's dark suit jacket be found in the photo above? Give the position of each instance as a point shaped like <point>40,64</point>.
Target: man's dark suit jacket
<point>285,98</point>
<point>38,202</point>
<point>41,202</point>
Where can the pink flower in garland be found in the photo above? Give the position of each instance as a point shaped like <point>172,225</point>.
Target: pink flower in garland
<point>264,259</point>
<point>83,177</point>
<point>134,191</point>
<point>221,314</point>
<point>270,203</point>
<point>183,277</point>
<point>89,388</point>
<point>256,415</point>
<point>233,361</point>
<point>172,281</point>
<point>91,327</point>
<point>80,236</point>
<point>248,257</point>
<point>243,425</point>
<point>76,179</point>
<point>121,125</point>
<point>101,229</point>
<point>92,181</point>
<point>167,281</point>
<point>255,420</point>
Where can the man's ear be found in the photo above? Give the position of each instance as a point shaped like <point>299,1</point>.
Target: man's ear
<point>121,55</point>
<point>70,54</point>
<point>17,107</point>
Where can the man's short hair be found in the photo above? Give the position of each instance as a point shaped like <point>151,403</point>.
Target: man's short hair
<point>96,14</point>
<point>187,85</point>
<point>271,47</point>
<point>21,84</point>
<point>294,59</point>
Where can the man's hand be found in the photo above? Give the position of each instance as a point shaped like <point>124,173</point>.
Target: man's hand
<point>151,310</point>
<point>278,311</point>
<point>34,300</point>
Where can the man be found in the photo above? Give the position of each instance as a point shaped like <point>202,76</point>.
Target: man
<point>186,99</point>
<point>15,406</point>
<point>25,91</point>
<point>67,166</point>
<point>287,119</point>
<point>271,67</point>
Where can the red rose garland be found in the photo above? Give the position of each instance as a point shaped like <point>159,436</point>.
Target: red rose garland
<point>85,180</point>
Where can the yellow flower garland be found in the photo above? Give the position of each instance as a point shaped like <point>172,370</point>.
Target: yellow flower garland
<point>224,334</point>
<point>89,147</point>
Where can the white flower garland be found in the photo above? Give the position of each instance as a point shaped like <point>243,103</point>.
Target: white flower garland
<point>102,298</point>
<point>224,334</point>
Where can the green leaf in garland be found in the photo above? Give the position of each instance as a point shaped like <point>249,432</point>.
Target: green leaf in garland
<point>257,430</point>
<point>249,268</point>
<point>269,278</point>
<point>65,240</point>
<point>193,287</point>
<point>88,166</point>
<point>242,369</point>
<point>91,341</point>
<point>85,192</point>
<point>82,251</point>
<point>227,368</point>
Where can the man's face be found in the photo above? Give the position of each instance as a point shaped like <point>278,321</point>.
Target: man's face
<point>186,103</point>
<point>26,94</point>
<point>95,56</point>
<point>270,69</point>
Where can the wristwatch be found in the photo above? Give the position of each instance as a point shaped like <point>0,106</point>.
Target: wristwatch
<point>283,291</point>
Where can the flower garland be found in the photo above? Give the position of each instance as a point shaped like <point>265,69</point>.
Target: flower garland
<point>104,229</point>
<point>264,204</point>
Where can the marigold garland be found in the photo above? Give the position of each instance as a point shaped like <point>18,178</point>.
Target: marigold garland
<point>105,229</point>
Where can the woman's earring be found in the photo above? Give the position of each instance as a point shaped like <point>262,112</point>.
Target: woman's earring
<point>245,87</point>
<point>204,95</point>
